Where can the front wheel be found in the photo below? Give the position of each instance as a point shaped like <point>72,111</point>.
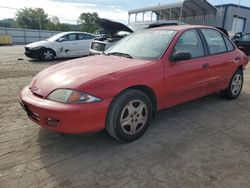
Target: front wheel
<point>234,89</point>
<point>129,115</point>
<point>47,55</point>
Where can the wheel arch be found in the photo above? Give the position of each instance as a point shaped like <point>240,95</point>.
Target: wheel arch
<point>54,52</point>
<point>148,91</point>
<point>48,48</point>
<point>241,67</point>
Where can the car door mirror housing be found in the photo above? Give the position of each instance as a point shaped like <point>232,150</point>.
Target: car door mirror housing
<point>60,39</point>
<point>181,56</point>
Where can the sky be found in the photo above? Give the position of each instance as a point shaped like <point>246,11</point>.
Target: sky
<point>69,10</point>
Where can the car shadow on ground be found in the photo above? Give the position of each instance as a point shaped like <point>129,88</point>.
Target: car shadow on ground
<point>39,61</point>
<point>81,159</point>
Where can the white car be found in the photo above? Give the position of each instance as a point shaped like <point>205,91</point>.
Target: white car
<point>62,45</point>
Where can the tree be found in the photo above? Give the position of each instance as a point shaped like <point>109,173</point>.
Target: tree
<point>54,24</point>
<point>32,18</point>
<point>88,22</point>
<point>8,23</point>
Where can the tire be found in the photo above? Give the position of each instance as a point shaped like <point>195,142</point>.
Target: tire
<point>235,86</point>
<point>129,115</point>
<point>47,55</point>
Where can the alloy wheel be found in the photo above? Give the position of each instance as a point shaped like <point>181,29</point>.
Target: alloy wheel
<point>236,84</point>
<point>133,117</point>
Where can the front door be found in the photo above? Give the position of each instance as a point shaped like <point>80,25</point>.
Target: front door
<point>69,45</point>
<point>188,79</point>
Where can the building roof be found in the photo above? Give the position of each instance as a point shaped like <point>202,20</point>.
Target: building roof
<point>232,5</point>
<point>188,7</point>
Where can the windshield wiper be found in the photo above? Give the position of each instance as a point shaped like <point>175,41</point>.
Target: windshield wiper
<point>120,54</point>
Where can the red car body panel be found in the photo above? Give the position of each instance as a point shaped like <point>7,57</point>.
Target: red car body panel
<point>106,76</point>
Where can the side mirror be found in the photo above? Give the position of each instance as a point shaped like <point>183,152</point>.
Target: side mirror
<point>181,56</point>
<point>60,39</point>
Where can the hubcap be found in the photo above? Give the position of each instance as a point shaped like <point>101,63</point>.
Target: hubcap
<point>48,55</point>
<point>133,117</point>
<point>236,84</point>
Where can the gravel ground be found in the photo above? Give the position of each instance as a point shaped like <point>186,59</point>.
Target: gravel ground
<point>204,143</point>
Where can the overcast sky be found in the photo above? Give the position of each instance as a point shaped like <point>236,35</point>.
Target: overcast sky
<point>69,10</point>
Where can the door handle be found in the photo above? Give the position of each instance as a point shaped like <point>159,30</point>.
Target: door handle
<point>206,65</point>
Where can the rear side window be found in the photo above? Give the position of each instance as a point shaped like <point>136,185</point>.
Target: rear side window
<point>230,46</point>
<point>85,36</point>
<point>214,40</point>
<point>190,42</point>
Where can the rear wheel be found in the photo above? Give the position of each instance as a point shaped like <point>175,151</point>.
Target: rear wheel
<point>234,89</point>
<point>47,55</point>
<point>129,115</point>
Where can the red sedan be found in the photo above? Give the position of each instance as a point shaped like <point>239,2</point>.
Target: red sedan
<point>144,72</point>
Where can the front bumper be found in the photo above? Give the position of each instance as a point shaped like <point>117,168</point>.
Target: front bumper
<point>64,118</point>
<point>33,53</point>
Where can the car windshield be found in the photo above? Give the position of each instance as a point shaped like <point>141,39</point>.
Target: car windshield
<point>148,44</point>
<point>55,37</point>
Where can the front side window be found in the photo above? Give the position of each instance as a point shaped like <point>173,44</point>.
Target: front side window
<point>190,42</point>
<point>214,40</point>
<point>70,37</point>
<point>147,44</point>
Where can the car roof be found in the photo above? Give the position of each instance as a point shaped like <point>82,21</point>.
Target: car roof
<point>69,32</point>
<point>182,27</point>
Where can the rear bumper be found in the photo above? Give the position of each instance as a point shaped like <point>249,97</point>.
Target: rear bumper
<point>65,118</point>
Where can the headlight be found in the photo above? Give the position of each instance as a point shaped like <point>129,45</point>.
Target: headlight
<point>35,48</point>
<point>71,96</point>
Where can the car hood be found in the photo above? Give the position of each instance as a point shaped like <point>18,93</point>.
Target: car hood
<point>74,73</point>
<point>35,44</point>
<point>112,26</point>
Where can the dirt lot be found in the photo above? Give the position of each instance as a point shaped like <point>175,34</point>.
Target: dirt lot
<point>205,143</point>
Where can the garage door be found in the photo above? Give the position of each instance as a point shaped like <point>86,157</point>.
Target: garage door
<point>238,24</point>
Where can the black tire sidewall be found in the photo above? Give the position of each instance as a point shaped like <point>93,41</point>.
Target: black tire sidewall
<point>119,105</point>
<point>45,50</point>
<point>229,92</point>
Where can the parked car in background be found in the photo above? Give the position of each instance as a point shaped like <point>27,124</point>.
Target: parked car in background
<point>62,45</point>
<point>112,32</point>
<point>242,41</point>
<point>144,72</point>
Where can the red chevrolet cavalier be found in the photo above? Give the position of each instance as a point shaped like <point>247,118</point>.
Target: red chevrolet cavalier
<point>145,72</point>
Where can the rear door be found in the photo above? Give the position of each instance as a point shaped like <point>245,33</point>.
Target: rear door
<point>84,41</point>
<point>221,60</point>
<point>188,79</point>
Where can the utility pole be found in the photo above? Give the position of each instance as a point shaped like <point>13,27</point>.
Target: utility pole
<point>40,24</point>
<point>237,15</point>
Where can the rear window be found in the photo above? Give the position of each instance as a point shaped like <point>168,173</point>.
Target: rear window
<point>230,46</point>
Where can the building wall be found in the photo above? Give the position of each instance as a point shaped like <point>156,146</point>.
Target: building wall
<point>242,13</point>
<point>224,17</point>
<point>195,20</point>
<point>226,14</point>
<point>25,36</point>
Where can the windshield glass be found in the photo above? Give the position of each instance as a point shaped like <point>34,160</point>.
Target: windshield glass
<point>55,37</point>
<point>148,44</point>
